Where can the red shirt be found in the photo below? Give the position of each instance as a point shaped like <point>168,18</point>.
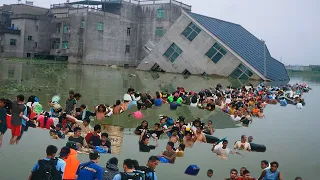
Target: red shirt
<point>47,125</point>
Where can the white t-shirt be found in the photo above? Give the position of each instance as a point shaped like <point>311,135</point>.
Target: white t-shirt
<point>228,101</point>
<point>223,153</point>
<point>242,146</point>
<point>237,118</point>
<point>299,106</point>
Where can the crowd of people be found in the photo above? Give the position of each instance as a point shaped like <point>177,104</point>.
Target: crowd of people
<point>242,104</point>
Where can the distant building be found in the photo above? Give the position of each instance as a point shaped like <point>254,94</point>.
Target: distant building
<point>197,44</point>
<point>91,32</point>
<point>298,68</point>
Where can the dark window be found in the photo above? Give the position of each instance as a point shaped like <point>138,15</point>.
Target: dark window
<point>13,42</point>
<point>35,44</point>
<point>29,38</point>
<point>127,49</point>
<point>37,28</point>
<point>28,55</point>
<point>216,52</point>
<point>128,31</point>
<point>186,72</point>
<point>12,25</point>
<point>173,52</point>
<point>191,32</point>
<point>241,72</point>
<point>157,68</point>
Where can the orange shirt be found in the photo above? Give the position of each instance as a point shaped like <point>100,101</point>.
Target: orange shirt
<point>255,111</point>
<point>72,164</point>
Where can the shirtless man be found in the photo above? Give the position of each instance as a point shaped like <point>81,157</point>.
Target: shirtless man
<point>200,136</point>
<point>174,137</point>
<point>189,139</point>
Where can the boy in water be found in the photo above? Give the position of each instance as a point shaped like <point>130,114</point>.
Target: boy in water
<point>3,119</point>
<point>71,103</point>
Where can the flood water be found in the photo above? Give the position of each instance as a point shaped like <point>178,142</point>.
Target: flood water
<point>290,135</point>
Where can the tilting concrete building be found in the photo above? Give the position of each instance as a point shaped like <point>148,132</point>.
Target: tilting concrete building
<point>197,44</point>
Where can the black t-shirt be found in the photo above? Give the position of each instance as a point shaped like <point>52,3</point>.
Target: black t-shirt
<point>77,140</point>
<point>139,129</point>
<point>95,140</point>
<point>158,133</point>
<point>145,148</point>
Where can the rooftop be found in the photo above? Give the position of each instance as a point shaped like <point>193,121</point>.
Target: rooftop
<point>245,44</point>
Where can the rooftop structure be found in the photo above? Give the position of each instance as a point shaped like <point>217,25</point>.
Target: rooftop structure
<point>198,44</point>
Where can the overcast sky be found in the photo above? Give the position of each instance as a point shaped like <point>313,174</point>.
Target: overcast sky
<point>291,28</point>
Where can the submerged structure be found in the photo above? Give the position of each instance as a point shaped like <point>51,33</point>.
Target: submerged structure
<point>197,44</point>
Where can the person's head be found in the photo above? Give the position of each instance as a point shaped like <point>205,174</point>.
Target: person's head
<point>102,108</point>
<point>83,107</point>
<point>94,156</point>
<point>274,166</point>
<point>64,152</point>
<point>156,126</point>
<point>224,144</point>
<point>153,162</point>
<point>197,123</point>
<point>2,102</point>
<point>298,178</point>
<point>158,96</point>
<point>135,164</point>
<point>51,150</point>
<point>144,124</point>
<point>113,161</point>
<point>209,123</point>
<point>181,147</point>
<point>250,139</point>
<point>246,174</point>
<point>188,135</point>
<point>210,173</point>
<point>264,164</point>
<point>77,96</point>
<point>71,94</point>
<point>233,173</point>
<point>118,102</point>
<point>127,165</point>
<point>241,170</point>
<point>174,134</point>
<point>130,91</point>
<point>20,98</point>
<point>104,136</point>
<point>170,146</point>
<point>243,138</point>
<point>86,121</point>
<point>77,131</point>
<point>145,139</point>
<point>58,127</point>
<point>97,128</point>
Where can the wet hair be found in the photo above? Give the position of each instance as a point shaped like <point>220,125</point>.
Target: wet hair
<point>233,170</point>
<point>182,146</point>
<point>76,129</point>
<point>187,132</point>
<point>171,144</point>
<point>242,136</point>
<point>118,102</point>
<point>94,155</point>
<point>83,106</point>
<point>144,121</point>
<point>51,150</point>
<point>135,164</point>
<point>130,89</point>
<point>97,127</point>
<point>20,97</point>
<point>225,141</point>
<point>128,163</point>
<point>210,171</point>
<point>77,95</point>
<point>298,178</point>
<point>153,158</point>
<point>103,106</point>
<point>274,163</point>
<point>265,162</point>
<point>71,92</point>
<point>87,120</point>
<point>245,172</point>
<point>158,96</point>
<point>105,135</point>
<point>157,124</point>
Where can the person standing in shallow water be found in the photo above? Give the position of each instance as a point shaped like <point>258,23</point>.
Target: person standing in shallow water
<point>71,103</point>
<point>271,174</point>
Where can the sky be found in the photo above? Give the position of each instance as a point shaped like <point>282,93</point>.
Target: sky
<point>291,28</point>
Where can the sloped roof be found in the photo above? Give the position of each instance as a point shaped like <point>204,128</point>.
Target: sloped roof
<point>245,44</point>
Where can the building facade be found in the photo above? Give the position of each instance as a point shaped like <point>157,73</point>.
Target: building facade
<point>197,44</point>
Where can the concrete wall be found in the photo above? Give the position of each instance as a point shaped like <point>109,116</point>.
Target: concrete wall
<point>12,51</point>
<point>27,9</point>
<point>193,57</point>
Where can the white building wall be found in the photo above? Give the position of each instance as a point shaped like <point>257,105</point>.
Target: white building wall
<point>193,57</point>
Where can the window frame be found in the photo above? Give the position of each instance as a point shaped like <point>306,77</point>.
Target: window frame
<point>100,26</point>
<point>65,29</point>
<point>13,42</point>
<point>159,31</point>
<point>35,44</point>
<point>127,50</point>
<point>128,31</point>
<point>65,44</point>
<point>241,71</point>
<point>175,50</point>
<point>193,30</point>
<point>160,13</point>
<point>83,24</point>
<point>219,50</point>
<point>29,38</point>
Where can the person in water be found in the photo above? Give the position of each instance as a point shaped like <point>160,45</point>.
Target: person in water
<point>71,103</point>
<point>101,111</point>
<point>105,142</point>
<point>169,154</point>
<point>77,138</point>
<point>200,135</point>
<point>143,126</point>
<point>137,114</point>
<point>209,173</point>
<point>180,150</point>
<point>84,113</point>
<point>243,144</point>
<point>3,119</point>
<point>233,174</point>
<point>93,138</point>
<point>189,138</point>
<point>246,176</point>
<point>208,129</point>
<point>117,108</point>
<point>222,151</point>
<point>271,174</point>
<point>157,131</point>
<point>144,142</point>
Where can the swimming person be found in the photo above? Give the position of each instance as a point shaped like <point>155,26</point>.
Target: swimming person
<point>242,144</point>
<point>222,151</point>
<point>144,141</point>
<point>189,138</point>
<point>169,154</point>
<point>271,174</point>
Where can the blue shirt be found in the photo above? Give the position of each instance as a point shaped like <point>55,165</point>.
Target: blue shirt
<point>150,175</point>
<point>24,123</point>
<point>158,102</point>
<point>3,116</point>
<point>91,172</point>
<point>61,165</point>
<point>174,105</point>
